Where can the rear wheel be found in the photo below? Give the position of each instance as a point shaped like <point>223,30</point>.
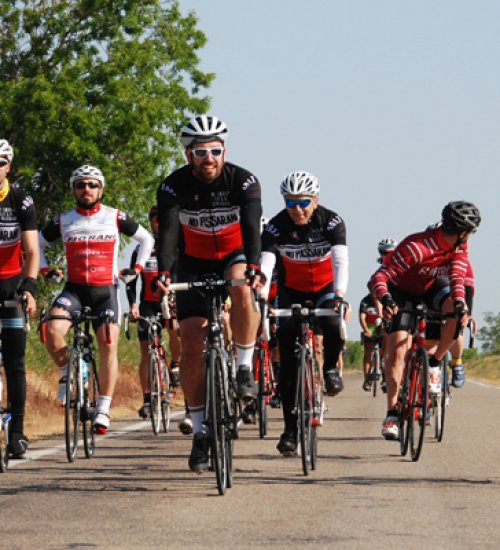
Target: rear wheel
<point>261,396</point>
<point>4,440</point>
<point>72,406</point>
<point>419,403</point>
<point>154,385</point>
<point>166,396</point>
<point>89,409</point>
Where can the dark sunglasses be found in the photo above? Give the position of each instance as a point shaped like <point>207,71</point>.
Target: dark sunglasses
<point>201,153</point>
<point>3,162</point>
<point>292,203</point>
<point>90,184</point>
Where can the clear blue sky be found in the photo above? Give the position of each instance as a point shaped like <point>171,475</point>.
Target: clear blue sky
<point>394,106</point>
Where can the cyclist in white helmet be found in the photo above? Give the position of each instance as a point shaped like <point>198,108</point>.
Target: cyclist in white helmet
<point>90,233</point>
<point>210,210</point>
<point>308,244</point>
<point>18,238</point>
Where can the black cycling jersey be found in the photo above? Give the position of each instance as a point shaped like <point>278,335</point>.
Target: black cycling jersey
<point>208,221</point>
<point>304,251</point>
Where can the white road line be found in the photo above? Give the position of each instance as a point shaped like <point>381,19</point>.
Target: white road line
<point>36,455</point>
<point>483,384</point>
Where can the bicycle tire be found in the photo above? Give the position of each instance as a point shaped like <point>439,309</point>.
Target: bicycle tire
<point>261,396</point>
<point>154,388</point>
<point>404,407</point>
<point>215,410</point>
<point>375,370</point>
<point>4,442</point>
<point>89,409</point>
<point>419,403</point>
<point>439,414</point>
<point>166,396</point>
<point>72,407</point>
<point>317,410</point>
<point>304,412</point>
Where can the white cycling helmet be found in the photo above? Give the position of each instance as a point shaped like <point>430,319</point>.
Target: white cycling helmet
<point>386,245</point>
<point>6,150</point>
<point>86,172</point>
<point>203,128</point>
<point>300,183</point>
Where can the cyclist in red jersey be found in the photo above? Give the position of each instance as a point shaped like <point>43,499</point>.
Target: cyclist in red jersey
<point>149,307</point>
<point>209,213</point>
<point>414,273</point>
<point>90,233</point>
<point>18,235</point>
<point>308,244</point>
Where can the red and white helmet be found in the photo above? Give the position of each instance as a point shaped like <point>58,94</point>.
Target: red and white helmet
<point>300,183</point>
<point>203,128</point>
<point>86,172</point>
<point>6,150</point>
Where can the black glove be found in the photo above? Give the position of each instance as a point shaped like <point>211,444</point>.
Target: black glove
<point>337,302</point>
<point>388,302</point>
<point>460,308</point>
<point>27,285</point>
<point>252,271</point>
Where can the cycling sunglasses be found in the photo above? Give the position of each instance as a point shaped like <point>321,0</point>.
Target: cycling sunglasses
<point>90,184</point>
<point>3,162</point>
<point>201,153</point>
<point>292,203</point>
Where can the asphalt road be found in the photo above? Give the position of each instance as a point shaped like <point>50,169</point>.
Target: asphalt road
<point>138,493</point>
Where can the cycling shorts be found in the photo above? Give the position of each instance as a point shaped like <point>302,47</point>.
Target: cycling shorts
<point>100,299</point>
<point>194,303</point>
<point>146,309</point>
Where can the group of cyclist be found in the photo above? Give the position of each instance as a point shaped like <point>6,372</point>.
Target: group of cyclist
<point>208,221</point>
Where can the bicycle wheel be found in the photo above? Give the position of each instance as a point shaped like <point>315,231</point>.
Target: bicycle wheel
<point>261,396</point>
<point>72,406</point>
<point>4,441</point>
<point>317,408</point>
<point>154,386</point>
<point>304,410</point>
<point>89,409</point>
<point>419,402</point>
<point>440,409</point>
<point>404,410</point>
<point>375,370</point>
<point>166,396</point>
<point>215,416</point>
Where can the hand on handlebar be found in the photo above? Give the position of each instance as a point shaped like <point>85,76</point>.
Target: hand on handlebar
<point>160,284</point>
<point>389,305</point>
<point>461,311</point>
<point>254,277</point>
<point>133,313</point>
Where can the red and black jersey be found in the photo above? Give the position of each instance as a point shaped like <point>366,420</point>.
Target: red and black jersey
<point>368,307</point>
<point>416,263</point>
<point>304,252</point>
<point>17,214</point>
<point>208,221</point>
<point>148,274</point>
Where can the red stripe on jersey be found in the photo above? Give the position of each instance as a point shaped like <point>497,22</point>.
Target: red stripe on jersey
<point>308,276</point>
<point>212,245</point>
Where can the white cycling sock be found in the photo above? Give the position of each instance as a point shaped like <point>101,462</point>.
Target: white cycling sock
<point>104,404</point>
<point>244,354</point>
<point>197,414</point>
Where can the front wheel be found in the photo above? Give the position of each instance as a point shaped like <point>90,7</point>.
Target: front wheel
<point>262,365</point>
<point>89,408</point>
<point>419,396</point>
<point>72,406</point>
<point>155,388</point>
<point>4,440</point>
<point>375,371</point>
<point>304,410</point>
<point>404,410</point>
<point>166,396</point>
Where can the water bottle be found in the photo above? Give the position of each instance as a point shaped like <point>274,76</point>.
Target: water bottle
<point>85,372</point>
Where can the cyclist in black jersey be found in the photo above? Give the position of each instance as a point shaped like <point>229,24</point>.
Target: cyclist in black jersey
<point>308,244</point>
<point>18,237</point>
<point>209,213</point>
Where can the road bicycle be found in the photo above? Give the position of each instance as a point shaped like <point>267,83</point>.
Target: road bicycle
<point>82,383</point>
<point>414,402</point>
<point>263,375</point>
<point>376,374</point>
<point>5,412</point>
<point>221,409</point>
<point>158,372</point>
<point>309,396</point>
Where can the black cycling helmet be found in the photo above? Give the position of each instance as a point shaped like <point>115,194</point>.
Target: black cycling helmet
<point>153,212</point>
<point>460,216</point>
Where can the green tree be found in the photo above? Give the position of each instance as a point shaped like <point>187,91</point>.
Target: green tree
<point>489,335</point>
<point>105,82</point>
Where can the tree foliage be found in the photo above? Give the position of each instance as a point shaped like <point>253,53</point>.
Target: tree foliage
<point>489,335</point>
<point>105,82</point>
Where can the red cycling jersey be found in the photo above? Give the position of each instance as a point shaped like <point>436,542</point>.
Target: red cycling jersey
<point>91,241</point>
<point>418,260</point>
